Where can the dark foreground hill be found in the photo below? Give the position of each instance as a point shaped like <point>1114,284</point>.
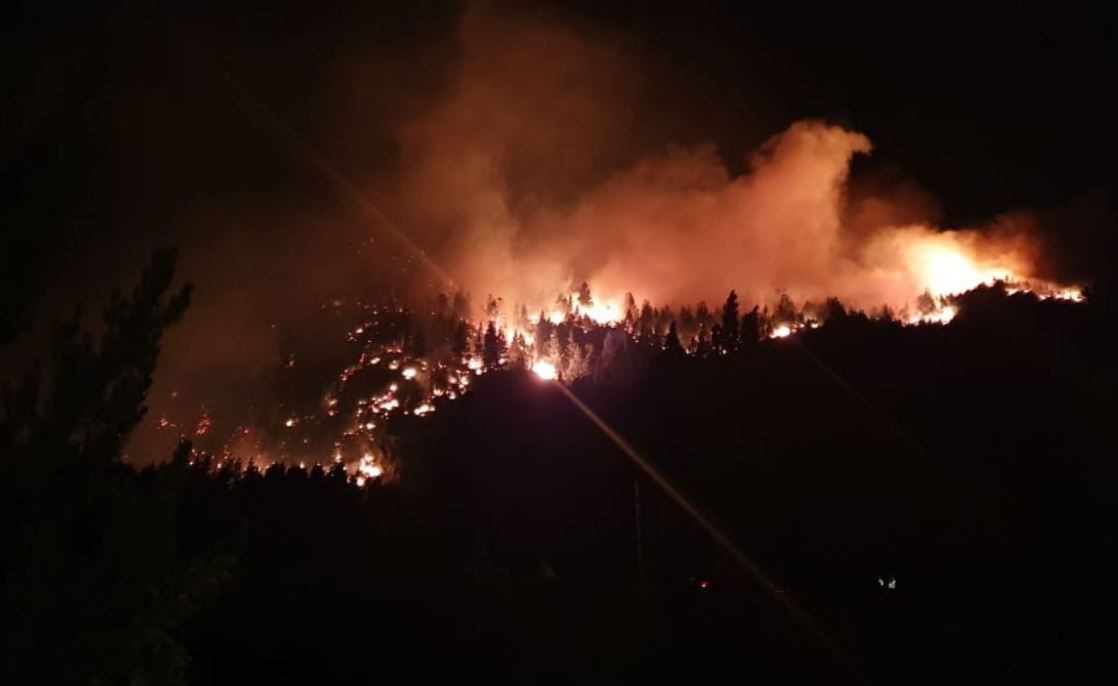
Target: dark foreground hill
<point>938,500</point>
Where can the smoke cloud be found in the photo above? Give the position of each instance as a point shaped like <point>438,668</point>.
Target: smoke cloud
<point>532,159</point>
<point>527,178</point>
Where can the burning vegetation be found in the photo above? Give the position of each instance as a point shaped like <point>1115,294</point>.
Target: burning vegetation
<point>407,363</point>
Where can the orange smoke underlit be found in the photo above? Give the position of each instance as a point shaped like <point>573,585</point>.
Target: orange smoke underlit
<point>524,179</point>
<point>678,228</point>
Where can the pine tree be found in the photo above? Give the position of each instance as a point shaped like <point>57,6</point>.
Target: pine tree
<point>551,348</point>
<point>729,333</point>
<point>751,328</point>
<point>645,323</point>
<point>461,305</point>
<point>518,351</point>
<point>703,315</point>
<point>584,298</point>
<point>574,361</point>
<point>687,324</point>
<point>461,343</point>
<point>785,310</point>
<point>493,347</point>
<point>672,346</point>
<point>492,307</point>
<point>702,341</point>
<point>417,343</point>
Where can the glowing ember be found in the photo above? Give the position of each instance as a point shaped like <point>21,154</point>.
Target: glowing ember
<point>409,373</point>
<point>204,423</point>
<point>545,370</point>
<point>291,422</point>
<point>367,469</point>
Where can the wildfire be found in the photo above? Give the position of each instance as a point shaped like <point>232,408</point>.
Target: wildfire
<point>947,272</point>
<point>782,331</point>
<point>941,315</point>
<point>554,347</point>
<point>367,469</point>
<point>545,370</point>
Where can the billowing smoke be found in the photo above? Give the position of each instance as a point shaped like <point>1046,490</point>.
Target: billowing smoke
<point>536,157</point>
<point>526,181</point>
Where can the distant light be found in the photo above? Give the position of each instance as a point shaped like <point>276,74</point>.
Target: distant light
<point>289,423</point>
<point>409,373</point>
<point>782,331</point>
<point>545,370</point>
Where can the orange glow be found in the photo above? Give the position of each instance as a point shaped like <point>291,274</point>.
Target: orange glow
<point>941,315</point>
<point>601,312</point>
<point>545,370</point>
<point>946,270</point>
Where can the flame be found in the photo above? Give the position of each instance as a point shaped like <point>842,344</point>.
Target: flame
<point>947,270</point>
<point>545,370</point>
<point>940,315</point>
<point>367,469</point>
<point>945,265</point>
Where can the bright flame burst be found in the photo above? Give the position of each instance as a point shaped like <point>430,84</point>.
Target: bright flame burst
<point>367,470</point>
<point>945,270</point>
<point>545,370</point>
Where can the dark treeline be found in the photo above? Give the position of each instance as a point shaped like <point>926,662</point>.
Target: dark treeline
<point>937,498</point>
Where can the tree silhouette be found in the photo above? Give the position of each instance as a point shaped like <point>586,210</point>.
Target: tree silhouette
<point>461,342</point>
<point>584,297</point>
<point>728,333</point>
<point>672,346</point>
<point>96,390</point>
<point>99,578</point>
<point>785,312</point>
<point>751,328</point>
<point>493,347</point>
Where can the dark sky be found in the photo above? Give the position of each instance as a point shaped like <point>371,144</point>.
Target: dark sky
<point>130,117</point>
<point>989,107</point>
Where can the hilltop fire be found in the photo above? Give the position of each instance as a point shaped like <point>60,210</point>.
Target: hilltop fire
<point>396,375</point>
